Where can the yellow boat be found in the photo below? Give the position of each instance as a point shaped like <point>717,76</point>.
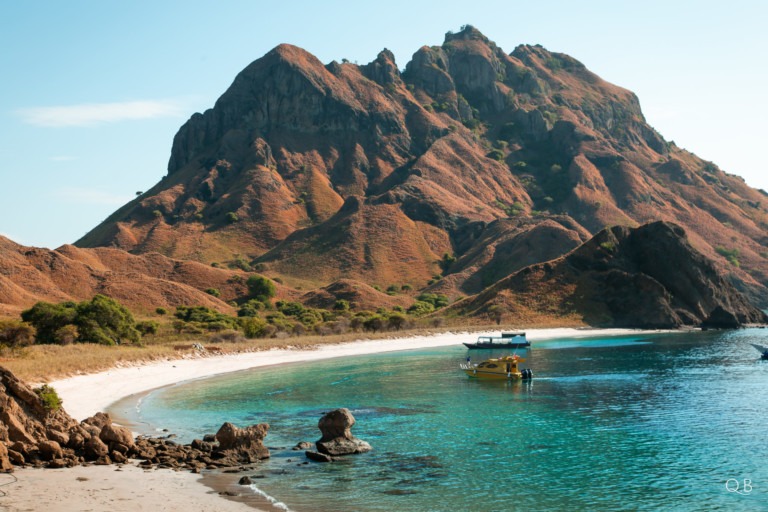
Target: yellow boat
<point>498,368</point>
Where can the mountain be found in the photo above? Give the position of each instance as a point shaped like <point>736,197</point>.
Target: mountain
<point>145,282</point>
<point>648,277</point>
<point>450,175</point>
<point>142,282</point>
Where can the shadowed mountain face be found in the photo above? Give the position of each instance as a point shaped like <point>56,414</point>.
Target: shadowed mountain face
<point>647,277</point>
<point>321,172</point>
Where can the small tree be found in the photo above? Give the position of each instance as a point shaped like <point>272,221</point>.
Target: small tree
<point>147,327</point>
<point>397,320</point>
<point>253,327</point>
<point>375,323</point>
<point>104,320</point>
<point>261,288</point>
<point>48,318</point>
<point>232,217</point>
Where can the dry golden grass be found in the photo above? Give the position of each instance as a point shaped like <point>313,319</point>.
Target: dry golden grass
<point>42,363</point>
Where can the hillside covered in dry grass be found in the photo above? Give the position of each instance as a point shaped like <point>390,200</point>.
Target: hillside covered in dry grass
<point>450,175</point>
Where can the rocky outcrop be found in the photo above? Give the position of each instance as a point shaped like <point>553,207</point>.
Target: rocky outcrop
<point>337,438</point>
<point>34,434</point>
<point>244,445</point>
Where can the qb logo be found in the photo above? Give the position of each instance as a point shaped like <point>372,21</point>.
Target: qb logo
<point>732,485</point>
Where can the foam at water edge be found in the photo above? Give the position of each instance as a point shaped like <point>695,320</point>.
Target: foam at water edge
<point>275,503</point>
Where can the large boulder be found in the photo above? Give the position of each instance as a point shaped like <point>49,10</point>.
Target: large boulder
<point>246,445</point>
<point>337,436</point>
<point>113,434</point>
<point>5,462</point>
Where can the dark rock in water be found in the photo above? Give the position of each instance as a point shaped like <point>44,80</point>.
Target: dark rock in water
<point>337,436</point>
<point>304,445</point>
<point>318,457</point>
<point>246,480</point>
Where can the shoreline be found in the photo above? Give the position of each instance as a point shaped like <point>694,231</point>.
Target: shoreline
<point>85,395</point>
<point>116,487</point>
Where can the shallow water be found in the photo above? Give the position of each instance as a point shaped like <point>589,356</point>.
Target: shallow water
<point>663,421</point>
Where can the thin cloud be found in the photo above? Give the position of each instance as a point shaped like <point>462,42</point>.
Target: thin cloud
<point>92,196</point>
<point>93,114</point>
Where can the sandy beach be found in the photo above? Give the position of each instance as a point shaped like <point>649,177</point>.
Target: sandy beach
<point>132,488</point>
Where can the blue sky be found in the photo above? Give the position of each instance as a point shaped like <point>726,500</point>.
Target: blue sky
<point>92,92</point>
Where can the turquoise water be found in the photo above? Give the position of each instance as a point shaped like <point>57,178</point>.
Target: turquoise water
<point>657,422</point>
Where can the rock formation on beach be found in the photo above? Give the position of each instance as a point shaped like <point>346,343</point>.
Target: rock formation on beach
<point>337,438</point>
<point>36,432</point>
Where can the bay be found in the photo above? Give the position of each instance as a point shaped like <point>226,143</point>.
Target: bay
<point>645,422</point>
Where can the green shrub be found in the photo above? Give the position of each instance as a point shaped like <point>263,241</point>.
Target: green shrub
<point>341,305</point>
<point>261,288</point>
<point>49,397</point>
<point>232,217</point>
<point>447,261</point>
<point>254,327</point>
<point>213,291</point>
<point>147,327</point>
<point>161,311</point>
<point>497,155</point>
<point>420,308</point>
<point>105,321</point>
<point>66,335</point>
<point>242,264</point>
<point>732,255</point>
<point>438,300</point>
<point>48,318</point>
<point>14,333</point>
<point>100,320</point>
<point>375,323</point>
<point>207,318</point>
<point>397,321</point>
<point>251,308</point>
<point>290,308</point>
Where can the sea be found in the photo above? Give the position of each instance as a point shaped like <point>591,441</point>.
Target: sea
<point>657,421</point>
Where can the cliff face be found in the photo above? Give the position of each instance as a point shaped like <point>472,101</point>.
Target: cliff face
<point>320,172</point>
<point>648,277</point>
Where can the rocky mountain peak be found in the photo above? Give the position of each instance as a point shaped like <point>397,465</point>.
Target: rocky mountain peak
<point>466,136</point>
<point>383,70</point>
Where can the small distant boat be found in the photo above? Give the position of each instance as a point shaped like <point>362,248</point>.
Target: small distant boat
<point>498,368</point>
<point>506,340</point>
<point>763,350</point>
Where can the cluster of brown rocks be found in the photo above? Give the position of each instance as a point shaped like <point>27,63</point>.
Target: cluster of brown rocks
<point>33,434</point>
